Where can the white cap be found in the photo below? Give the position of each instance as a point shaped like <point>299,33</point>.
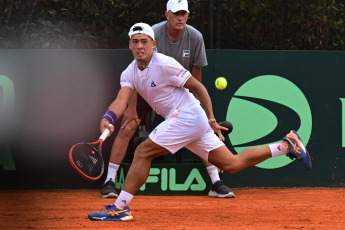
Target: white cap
<point>141,28</point>
<point>177,5</point>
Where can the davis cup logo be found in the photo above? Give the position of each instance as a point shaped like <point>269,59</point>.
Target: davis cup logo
<point>263,111</point>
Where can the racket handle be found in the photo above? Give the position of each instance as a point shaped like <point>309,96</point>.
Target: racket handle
<point>104,134</point>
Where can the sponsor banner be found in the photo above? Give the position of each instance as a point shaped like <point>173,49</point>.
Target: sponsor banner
<point>171,179</point>
<point>271,92</point>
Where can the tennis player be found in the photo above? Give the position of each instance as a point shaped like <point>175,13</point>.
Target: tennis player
<point>185,44</point>
<point>164,83</point>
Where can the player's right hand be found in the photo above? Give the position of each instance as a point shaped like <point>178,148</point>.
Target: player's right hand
<point>106,125</point>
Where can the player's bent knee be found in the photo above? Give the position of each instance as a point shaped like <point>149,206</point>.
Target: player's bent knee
<point>141,154</point>
<point>149,150</point>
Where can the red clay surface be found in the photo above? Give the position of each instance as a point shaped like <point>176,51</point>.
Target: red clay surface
<point>253,208</point>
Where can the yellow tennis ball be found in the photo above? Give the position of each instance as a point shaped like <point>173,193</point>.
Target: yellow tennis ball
<point>221,83</point>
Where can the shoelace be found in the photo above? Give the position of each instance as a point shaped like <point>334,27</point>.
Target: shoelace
<point>296,148</point>
<point>113,212</point>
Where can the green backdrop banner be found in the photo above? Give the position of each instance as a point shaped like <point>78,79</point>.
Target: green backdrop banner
<point>51,99</point>
<point>271,92</point>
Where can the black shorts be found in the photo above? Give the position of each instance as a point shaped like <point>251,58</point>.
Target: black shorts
<point>143,108</point>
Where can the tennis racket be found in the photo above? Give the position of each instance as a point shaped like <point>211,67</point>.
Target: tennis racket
<point>86,158</point>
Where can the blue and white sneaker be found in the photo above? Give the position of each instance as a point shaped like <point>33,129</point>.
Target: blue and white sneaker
<point>112,213</point>
<point>297,149</point>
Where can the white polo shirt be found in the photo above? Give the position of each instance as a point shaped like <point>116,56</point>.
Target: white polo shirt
<point>161,84</point>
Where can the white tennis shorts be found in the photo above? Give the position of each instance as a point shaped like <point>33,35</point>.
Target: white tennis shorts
<point>188,128</point>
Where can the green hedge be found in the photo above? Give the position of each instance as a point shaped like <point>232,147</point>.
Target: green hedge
<point>225,24</point>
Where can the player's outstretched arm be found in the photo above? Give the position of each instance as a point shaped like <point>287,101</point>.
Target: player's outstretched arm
<point>131,112</point>
<point>201,93</point>
<point>118,106</point>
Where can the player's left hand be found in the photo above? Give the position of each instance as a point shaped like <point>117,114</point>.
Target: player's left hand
<point>129,116</point>
<point>217,128</point>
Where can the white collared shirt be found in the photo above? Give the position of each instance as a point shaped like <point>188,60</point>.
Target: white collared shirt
<point>160,84</point>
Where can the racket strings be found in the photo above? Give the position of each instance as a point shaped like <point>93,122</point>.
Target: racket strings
<point>88,160</point>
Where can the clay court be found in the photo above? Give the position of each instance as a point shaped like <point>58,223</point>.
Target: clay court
<point>253,208</point>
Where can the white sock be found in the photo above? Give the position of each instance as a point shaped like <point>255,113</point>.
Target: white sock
<point>112,170</point>
<point>213,172</point>
<point>278,149</point>
<point>123,200</point>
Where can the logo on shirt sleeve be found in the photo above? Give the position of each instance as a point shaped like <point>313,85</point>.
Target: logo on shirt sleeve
<point>179,73</point>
